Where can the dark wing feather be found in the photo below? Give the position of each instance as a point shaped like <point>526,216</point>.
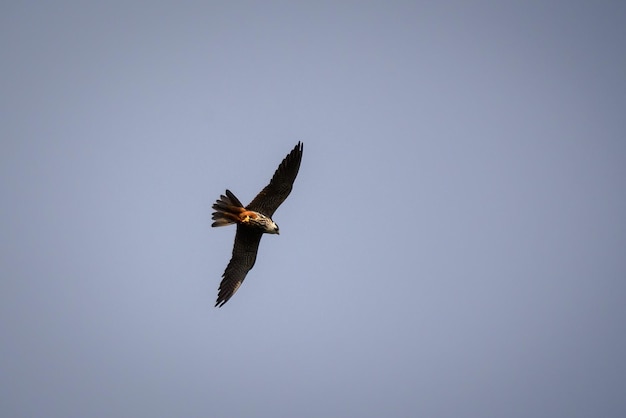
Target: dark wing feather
<point>280,186</point>
<point>244,255</point>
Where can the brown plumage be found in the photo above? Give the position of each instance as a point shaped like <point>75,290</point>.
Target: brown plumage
<point>252,222</point>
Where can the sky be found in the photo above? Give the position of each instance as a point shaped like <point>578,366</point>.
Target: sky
<point>454,245</point>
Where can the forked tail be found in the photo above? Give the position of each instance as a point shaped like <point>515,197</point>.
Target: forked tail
<point>227,209</point>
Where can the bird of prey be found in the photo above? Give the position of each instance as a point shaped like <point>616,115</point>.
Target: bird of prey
<point>253,221</point>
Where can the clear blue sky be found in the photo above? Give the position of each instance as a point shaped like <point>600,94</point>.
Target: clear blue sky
<point>454,246</point>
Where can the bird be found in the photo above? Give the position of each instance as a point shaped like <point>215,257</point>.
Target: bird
<point>252,222</point>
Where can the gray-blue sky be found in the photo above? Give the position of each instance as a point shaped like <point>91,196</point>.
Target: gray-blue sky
<point>454,245</point>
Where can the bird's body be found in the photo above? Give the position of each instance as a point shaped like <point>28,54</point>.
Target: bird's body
<point>252,222</point>
<point>230,211</point>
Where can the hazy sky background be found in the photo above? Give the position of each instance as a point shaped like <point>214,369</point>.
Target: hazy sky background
<point>454,246</point>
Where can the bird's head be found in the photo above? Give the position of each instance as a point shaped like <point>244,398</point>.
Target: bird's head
<point>273,229</point>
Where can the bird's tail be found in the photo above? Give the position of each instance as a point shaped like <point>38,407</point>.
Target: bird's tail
<point>227,209</point>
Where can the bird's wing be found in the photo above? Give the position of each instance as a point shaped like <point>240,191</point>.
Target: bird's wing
<point>280,186</point>
<point>244,255</point>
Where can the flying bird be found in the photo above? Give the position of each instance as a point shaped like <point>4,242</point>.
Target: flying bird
<point>252,222</point>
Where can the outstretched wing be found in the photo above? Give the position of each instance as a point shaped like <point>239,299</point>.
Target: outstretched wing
<point>244,255</point>
<point>280,186</point>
